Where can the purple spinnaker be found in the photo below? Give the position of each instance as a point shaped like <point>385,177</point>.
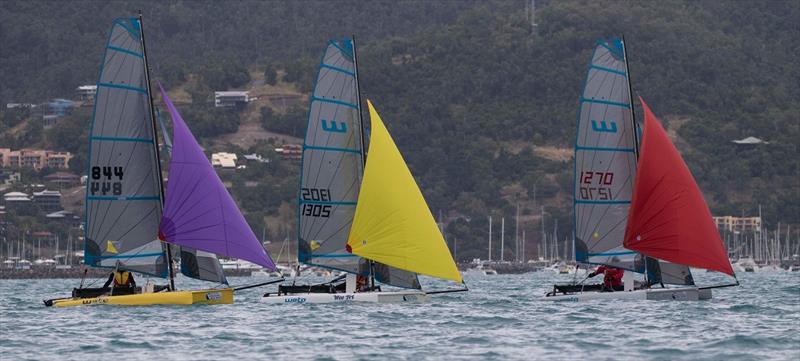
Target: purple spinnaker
<point>198,210</point>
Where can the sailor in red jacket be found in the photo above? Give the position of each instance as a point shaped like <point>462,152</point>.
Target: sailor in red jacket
<point>612,279</point>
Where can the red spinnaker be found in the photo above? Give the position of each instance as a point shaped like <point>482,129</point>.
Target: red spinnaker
<point>668,218</point>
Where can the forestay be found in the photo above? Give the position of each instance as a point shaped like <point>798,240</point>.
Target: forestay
<point>123,191</point>
<point>605,161</point>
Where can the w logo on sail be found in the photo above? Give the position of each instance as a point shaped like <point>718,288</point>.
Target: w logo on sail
<point>604,127</point>
<point>341,127</point>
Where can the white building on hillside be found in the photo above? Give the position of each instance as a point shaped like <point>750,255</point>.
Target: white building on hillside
<point>223,160</point>
<point>231,98</point>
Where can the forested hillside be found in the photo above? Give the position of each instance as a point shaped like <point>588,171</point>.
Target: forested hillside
<point>481,103</point>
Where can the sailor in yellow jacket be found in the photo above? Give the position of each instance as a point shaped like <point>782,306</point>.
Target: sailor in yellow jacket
<point>121,279</point>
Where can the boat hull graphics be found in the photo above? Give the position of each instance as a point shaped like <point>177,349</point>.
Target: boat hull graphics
<point>661,294</point>
<point>199,297</point>
<point>374,297</point>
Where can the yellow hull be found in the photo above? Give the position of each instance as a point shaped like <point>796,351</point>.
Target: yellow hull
<point>200,297</point>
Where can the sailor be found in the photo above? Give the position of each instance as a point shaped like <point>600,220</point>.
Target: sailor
<point>612,280</point>
<point>120,279</point>
<point>361,283</point>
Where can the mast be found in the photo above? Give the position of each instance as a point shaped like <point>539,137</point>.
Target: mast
<point>490,238</point>
<point>155,145</point>
<point>634,126</point>
<point>630,96</point>
<point>361,138</point>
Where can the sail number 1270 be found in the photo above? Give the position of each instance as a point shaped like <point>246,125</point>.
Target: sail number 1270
<point>593,185</point>
<point>318,195</point>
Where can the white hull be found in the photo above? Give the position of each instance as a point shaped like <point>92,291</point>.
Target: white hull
<point>658,294</point>
<point>375,297</point>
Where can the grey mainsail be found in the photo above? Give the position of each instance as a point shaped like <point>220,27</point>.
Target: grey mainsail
<point>331,164</point>
<point>331,172</point>
<point>123,196</point>
<point>605,161</point>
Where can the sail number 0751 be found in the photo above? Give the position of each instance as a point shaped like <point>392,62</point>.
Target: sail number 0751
<point>593,185</point>
<point>315,209</point>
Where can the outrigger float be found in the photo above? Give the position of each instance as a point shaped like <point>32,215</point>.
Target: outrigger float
<point>374,224</point>
<point>635,209</point>
<point>129,225</point>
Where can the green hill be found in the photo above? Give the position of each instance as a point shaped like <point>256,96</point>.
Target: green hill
<point>481,104</point>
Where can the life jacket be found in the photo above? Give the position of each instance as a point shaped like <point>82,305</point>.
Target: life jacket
<point>122,279</point>
<point>612,277</point>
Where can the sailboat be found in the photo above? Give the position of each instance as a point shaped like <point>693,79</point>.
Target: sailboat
<point>360,213</point>
<point>635,209</point>
<point>128,222</point>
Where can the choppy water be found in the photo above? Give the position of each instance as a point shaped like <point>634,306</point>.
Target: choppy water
<point>502,317</point>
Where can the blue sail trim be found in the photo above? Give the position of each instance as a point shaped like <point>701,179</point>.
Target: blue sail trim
<point>604,149</point>
<point>336,68</point>
<point>579,201</point>
<point>119,22</point>
<point>125,87</point>
<point>334,101</point>
<point>306,201</point>
<point>606,102</point>
<point>121,139</point>
<point>123,198</point>
<point>126,51</point>
<point>616,52</point>
<point>343,50</point>
<point>607,70</point>
<point>332,149</point>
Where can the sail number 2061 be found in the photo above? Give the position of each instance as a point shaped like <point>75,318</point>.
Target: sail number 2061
<point>316,195</point>
<point>593,185</point>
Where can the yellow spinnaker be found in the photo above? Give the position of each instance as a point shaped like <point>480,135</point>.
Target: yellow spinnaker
<point>392,224</point>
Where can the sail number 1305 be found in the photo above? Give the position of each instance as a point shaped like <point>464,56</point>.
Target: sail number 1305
<point>593,185</point>
<point>319,195</point>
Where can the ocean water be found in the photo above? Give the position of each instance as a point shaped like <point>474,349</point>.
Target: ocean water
<point>501,318</point>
